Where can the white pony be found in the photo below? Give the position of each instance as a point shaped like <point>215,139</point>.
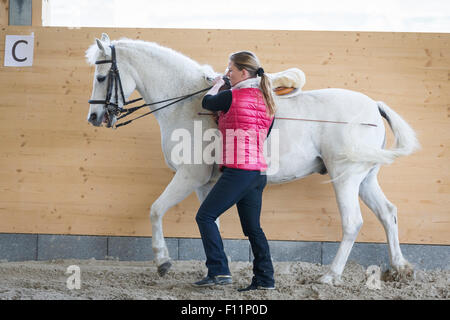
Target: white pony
<point>350,153</point>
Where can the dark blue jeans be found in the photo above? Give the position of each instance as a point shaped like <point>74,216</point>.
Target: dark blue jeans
<point>243,188</point>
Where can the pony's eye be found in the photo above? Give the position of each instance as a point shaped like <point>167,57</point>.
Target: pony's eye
<point>101,78</point>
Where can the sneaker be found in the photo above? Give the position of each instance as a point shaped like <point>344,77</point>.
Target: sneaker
<point>266,287</point>
<point>256,287</point>
<point>213,281</point>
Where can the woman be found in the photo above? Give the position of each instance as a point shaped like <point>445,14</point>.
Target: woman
<point>248,106</point>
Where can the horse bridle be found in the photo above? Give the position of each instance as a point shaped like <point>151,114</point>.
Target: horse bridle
<point>113,108</point>
<point>113,76</point>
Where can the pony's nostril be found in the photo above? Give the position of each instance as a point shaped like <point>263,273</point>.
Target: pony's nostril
<point>93,117</point>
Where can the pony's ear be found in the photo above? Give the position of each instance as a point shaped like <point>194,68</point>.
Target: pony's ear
<point>105,38</point>
<point>103,46</point>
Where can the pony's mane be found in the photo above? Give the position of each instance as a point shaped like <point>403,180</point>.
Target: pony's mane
<point>93,53</point>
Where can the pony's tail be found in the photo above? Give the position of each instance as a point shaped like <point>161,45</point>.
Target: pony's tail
<point>368,156</point>
<point>405,138</point>
<point>405,141</point>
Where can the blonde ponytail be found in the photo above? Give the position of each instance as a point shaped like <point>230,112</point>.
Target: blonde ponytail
<point>266,88</point>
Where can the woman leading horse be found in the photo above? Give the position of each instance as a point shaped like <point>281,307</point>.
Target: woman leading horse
<point>248,108</point>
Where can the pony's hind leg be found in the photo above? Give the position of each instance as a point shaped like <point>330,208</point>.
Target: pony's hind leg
<point>346,190</point>
<point>372,195</point>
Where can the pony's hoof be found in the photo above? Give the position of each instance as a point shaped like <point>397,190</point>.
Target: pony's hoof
<point>330,279</point>
<point>404,273</point>
<point>164,268</point>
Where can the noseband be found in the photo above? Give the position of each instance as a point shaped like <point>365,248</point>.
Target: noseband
<point>113,108</point>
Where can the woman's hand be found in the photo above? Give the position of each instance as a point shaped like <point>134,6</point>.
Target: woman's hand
<point>218,81</point>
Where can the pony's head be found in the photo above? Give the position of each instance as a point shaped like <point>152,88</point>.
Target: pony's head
<point>106,91</point>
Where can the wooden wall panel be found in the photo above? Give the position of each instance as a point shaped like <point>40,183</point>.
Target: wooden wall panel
<point>4,12</point>
<point>36,18</point>
<point>60,175</point>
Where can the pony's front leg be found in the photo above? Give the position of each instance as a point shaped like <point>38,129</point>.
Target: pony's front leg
<point>182,185</point>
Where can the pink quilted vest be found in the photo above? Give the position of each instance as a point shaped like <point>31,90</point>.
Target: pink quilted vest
<point>244,128</point>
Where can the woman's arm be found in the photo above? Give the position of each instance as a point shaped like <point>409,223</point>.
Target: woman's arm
<point>217,102</point>
<point>218,98</point>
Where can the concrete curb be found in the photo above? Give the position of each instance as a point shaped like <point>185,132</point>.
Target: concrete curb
<point>23,247</point>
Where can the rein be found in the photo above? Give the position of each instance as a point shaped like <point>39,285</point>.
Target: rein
<point>326,121</point>
<point>131,110</point>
